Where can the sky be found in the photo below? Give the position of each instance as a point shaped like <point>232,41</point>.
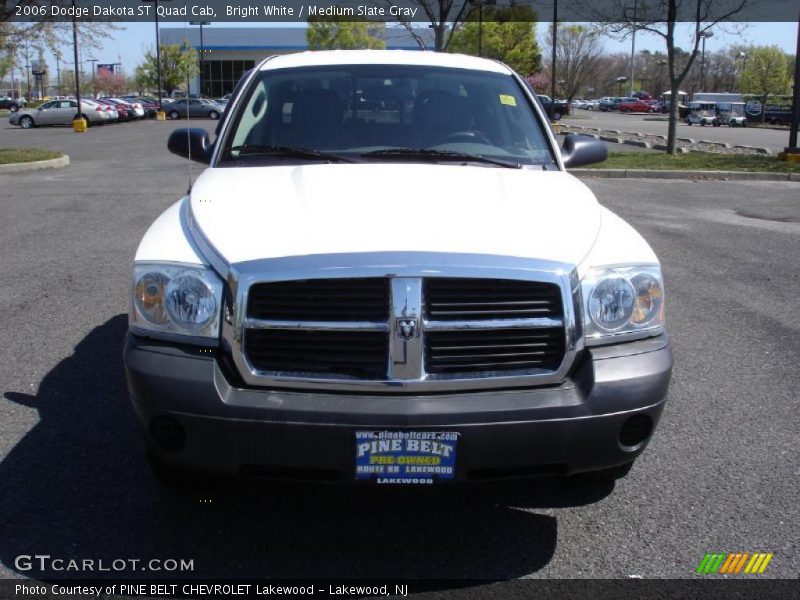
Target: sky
<point>128,45</point>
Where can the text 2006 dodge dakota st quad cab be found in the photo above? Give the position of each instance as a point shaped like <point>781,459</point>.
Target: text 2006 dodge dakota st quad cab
<point>386,276</point>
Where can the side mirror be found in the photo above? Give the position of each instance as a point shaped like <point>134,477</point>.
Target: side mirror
<point>579,150</point>
<point>192,143</point>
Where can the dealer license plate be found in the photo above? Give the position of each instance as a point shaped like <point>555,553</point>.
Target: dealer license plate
<point>406,457</point>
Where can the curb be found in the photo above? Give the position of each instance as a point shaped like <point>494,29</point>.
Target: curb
<point>688,175</point>
<point>53,163</point>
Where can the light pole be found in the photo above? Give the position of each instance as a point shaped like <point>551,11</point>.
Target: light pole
<point>620,81</point>
<point>10,50</point>
<point>78,125</point>
<point>94,73</point>
<point>160,115</point>
<point>661,64</point>
<point>743,57</point>
<point>633,48</point>
<point>553,65</point>
<point>793,149</point>
<point>704,35</point>
<point>480,4</point>
<point>202,53</point>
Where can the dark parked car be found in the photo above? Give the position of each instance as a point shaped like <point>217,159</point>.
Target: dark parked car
<point>198,108</point>
<point>560,107</point>
<point>12,104</point>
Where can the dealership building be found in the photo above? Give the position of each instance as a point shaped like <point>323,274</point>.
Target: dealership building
<point>227,52</point>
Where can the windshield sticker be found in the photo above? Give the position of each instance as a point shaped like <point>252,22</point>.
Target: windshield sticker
<point>508,100</point>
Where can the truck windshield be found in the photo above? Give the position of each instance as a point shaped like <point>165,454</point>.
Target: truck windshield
<point>385,113</point>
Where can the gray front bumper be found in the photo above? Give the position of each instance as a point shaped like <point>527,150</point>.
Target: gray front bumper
<point>562,429</point>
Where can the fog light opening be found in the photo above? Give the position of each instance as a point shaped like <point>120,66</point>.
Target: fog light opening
<point>635,430</point>
<point>168,433</point>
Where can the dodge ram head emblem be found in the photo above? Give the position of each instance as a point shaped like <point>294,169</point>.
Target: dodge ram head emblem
<point>406,328</point>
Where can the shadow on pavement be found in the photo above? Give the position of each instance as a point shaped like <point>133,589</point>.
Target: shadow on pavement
<point>78,486</point>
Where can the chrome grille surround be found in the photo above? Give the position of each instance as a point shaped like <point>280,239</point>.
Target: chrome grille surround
<point>405,372</point>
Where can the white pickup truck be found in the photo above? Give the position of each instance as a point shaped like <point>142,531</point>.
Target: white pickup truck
<point>387,276</point>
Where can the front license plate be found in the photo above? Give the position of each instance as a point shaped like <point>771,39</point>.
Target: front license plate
<point>406,457</point>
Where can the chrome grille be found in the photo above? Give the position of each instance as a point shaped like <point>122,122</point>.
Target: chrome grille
<point>405,332</point>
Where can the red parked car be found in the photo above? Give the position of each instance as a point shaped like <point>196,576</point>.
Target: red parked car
<point>638,105</point>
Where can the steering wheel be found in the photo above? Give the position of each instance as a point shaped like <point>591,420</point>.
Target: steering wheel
<point>467,136</point>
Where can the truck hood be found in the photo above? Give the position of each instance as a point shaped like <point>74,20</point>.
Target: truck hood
<point>278,211</point>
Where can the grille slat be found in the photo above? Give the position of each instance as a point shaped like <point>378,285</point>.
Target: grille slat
<point>493,350</point>
<point>321,300</point>
<point>456,298</point>
<point>363,354</point>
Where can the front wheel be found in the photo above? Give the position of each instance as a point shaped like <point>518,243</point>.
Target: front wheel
<point>13,108</point>
<point>213,115</point>
<point>26,122</point>
<point>173,114</point>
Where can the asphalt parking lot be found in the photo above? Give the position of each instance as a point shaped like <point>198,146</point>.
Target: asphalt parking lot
<point>773,138</point>
<point>720,476</point>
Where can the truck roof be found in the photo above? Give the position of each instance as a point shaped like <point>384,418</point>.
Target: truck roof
<point>382,57</point>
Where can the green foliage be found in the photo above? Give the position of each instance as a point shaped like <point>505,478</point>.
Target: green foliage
<point>767,72</point>
<point>333,33</point>
<point>178,65</point>
<point>507,34</point>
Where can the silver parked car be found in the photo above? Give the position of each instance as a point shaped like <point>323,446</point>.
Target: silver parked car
<point>198,108</point>
<point>55,112</point>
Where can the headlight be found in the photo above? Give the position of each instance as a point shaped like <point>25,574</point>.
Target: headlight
<point>623,303</point>
<point>174,299</point>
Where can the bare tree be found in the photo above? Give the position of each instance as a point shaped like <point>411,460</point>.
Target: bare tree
<point>661,17</point>
<point>578,52</point>
<point>443,17</point>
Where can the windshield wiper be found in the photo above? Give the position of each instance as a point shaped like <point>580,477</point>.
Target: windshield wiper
<point>285,151</point>
<point>443,155</point>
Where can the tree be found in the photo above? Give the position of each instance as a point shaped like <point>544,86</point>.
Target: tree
<point>444,17</point>
<point>178,66</point>
<point>331,33</point>
<point>766,74</point>
<point>505,34</point>
<point>661,17</point>
<point>110,83</point>
<point>578,52</point>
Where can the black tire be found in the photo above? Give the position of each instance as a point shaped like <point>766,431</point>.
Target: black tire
<point>213,115</point>
<point>26,122</point>
<point>13,108</point>
<point>556,116</point>
<point>169,476</point>
<point>173,114</point>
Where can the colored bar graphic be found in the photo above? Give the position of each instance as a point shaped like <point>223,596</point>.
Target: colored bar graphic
<point>733,563</point>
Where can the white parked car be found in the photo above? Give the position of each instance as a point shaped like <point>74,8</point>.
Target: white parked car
<point>405,289</point>
<point>55,112</point>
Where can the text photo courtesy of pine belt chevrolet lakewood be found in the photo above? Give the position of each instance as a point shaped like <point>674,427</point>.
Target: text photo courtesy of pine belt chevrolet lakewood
<point>398,286</point>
